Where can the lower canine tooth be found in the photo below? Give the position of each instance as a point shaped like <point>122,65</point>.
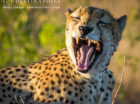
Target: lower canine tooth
<point>78,55</point>
<point>77,40</point>
<point>98,48</point>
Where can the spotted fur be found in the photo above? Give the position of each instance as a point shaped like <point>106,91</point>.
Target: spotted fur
<point>56,80</point>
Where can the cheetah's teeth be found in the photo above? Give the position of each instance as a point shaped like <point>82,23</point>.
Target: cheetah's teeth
<point>92,41</point>
<point>78,55</point>
<point>77,40</point>
<point>95,42</point>
<point>98,48</point>
<point>89,42</point>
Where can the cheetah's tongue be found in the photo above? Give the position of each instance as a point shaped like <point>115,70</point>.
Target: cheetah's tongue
<point>85,55</point>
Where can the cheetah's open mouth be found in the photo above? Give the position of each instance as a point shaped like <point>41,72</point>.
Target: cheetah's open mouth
<point>86,52</point>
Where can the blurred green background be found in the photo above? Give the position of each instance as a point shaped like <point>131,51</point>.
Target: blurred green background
<point>27,35</point>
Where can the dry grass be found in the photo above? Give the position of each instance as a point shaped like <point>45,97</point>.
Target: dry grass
<point>121,80</point>
<point>19,100</point>
<point>101,98</point>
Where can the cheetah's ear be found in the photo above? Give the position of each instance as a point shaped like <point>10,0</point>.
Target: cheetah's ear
<point>69,11</point>
<point>122,22</point>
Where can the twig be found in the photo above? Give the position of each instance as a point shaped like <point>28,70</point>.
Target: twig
<point>123,66</point>
<point>19,100</point>
<point>101,97</point>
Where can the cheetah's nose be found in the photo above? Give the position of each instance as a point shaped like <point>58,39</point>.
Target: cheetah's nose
<point>84,30</point>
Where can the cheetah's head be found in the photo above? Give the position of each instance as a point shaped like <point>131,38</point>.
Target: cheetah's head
<point>92,35</point>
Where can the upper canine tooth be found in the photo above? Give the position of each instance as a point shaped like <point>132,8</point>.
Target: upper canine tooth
<point>77,40</point>
<point>95,42</point>
<point>89,42</point>
<point>92,41</point>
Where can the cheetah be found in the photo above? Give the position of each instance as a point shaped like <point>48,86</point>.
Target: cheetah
<point>75,75</point>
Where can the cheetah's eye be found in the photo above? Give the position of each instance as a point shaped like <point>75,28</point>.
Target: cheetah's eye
<point>101,22</point>
<point>76,18</point>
